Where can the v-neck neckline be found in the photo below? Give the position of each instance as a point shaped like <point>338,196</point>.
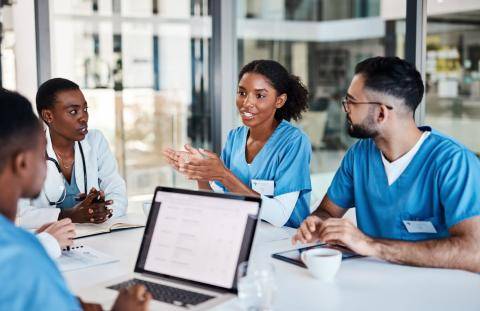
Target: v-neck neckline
<point>407,168</point>
<point>261,152</point>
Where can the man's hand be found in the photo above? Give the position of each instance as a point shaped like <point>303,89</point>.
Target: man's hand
<point>345,233</point>
<point>93,209</point>
<point>63,231</point>
<point>334,231</point>
<point>308,231</point>
<point>133,298</point>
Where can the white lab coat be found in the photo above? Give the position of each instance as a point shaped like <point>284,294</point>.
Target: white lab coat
<point>102,173</point>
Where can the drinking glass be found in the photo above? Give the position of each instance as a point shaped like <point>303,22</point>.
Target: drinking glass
<point>256,286</point>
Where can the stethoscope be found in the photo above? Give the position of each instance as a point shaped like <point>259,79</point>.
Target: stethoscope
<point>57,165</point>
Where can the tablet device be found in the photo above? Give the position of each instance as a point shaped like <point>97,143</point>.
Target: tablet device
<point>293,256</point>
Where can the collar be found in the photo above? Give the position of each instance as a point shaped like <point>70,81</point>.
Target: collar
<point>407,156</point>
<point>50,151</point>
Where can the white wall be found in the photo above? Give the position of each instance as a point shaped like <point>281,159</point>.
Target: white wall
<point>25,49</point>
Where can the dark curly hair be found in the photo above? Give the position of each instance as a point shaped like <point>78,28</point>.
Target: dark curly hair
<point>284,83</point>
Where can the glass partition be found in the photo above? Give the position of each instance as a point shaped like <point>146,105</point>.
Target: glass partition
<point>143,66</point>
<point>321,41</point>
<point>453,70</point>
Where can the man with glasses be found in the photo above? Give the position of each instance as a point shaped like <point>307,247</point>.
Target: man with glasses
<point>415,190</point>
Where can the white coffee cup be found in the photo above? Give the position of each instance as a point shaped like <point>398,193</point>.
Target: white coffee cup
<point>323,263</point>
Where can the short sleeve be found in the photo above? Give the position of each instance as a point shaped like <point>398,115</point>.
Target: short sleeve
<point>33,283</point>
<point>458,181</point>
<point>225,156</point>
<point>293,170</point>
<point>341,190</point>
<point>227,149</point>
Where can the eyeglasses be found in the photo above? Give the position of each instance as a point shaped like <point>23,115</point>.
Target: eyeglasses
<point>346,101</point>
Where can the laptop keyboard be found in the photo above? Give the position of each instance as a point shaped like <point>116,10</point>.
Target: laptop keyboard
<point>168,294</point>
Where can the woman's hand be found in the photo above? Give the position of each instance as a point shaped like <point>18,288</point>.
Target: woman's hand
<point>178,158</point>
<point>93,209</point>
<point>205,166</point>
<point>202,165</point>
<point>172,158</point>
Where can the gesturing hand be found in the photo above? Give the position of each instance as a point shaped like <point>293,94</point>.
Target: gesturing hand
<point>203,165</point>
<point>178,158</point>
<point>172,157</point>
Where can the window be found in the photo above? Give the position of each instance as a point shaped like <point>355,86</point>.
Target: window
<point>453,70</point>
<point>7,49</point>
<point>143,67</point>
<point>321,41</point>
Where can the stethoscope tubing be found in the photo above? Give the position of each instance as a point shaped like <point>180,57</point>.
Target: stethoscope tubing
<point>60,171</point>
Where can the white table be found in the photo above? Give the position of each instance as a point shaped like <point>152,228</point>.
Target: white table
<point>361,284</point>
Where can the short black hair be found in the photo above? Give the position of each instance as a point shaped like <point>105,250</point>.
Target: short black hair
<point>47,92</point>
<point>284,83</point>
<point>18,125</point>
<point>393,76</point>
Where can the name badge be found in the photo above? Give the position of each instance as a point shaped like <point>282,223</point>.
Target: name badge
<point>264,187</point>
<point>414,226</point>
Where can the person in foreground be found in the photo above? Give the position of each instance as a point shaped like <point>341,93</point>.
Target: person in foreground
<point>30,279</point>
<point>82,181</point>
<point>414,189</point>
<point>266,156</point>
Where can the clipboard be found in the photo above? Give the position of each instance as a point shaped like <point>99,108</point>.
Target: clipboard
<point>81,257</point>
<point>293,256</point>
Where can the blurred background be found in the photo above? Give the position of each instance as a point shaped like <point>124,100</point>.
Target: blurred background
<point>148,68</point>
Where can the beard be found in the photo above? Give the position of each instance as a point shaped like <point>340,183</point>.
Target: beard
<point>364,130</point>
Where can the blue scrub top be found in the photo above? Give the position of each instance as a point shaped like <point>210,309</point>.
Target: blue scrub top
<point>72,192</point>
<point>285,159</point>
<point>440,185</point>
<point>30,279</point>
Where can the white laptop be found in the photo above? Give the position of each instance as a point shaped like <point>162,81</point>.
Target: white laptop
<point>191,248</point>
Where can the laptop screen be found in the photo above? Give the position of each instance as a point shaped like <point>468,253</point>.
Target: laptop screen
<point>197,236</point>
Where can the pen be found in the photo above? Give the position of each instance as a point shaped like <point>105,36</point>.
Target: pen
<point>68,248</point>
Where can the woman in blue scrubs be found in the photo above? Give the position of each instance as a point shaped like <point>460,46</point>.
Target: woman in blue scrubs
<point>266,156</point>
